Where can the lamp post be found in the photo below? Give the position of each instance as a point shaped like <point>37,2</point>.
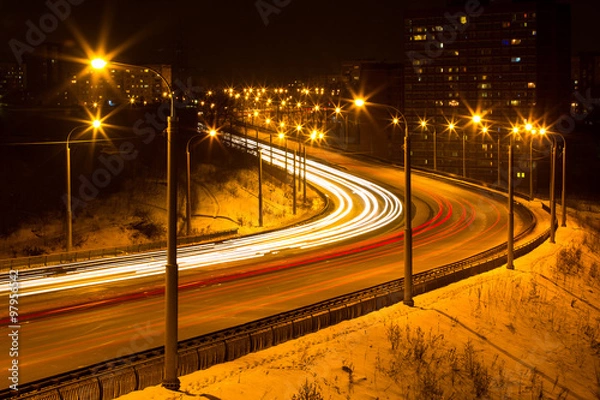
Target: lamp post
<point>339,112</point>
<point>95,124</point>
<point>511,217</point>
<point>188,208</point>
<point>170,380</point>
<point>423,124</point>
<point>553,184</point>
<point>408,283</point>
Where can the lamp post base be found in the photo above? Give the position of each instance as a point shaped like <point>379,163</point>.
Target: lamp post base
<point>173,384</point>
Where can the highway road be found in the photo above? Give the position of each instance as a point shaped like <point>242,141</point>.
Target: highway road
<point>79,315</point>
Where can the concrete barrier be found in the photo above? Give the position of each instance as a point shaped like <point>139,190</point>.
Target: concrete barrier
<point>88,389</point>
<point>118,383</point>
<point>261,339</point>
<point>150,374</point>
<point>211,354</point>
<point>237,346</point>
<point>302,326</point>
<point>320,320</point>
<point>283,332</point>
<point>338,314</point>
<point>188,362</point>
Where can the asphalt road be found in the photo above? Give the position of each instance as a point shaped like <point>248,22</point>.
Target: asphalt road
<point>70,328</point>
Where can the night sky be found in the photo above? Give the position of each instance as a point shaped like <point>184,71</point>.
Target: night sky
<point>229,40</point>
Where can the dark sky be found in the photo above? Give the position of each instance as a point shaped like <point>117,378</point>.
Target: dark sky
<point>229,39</point>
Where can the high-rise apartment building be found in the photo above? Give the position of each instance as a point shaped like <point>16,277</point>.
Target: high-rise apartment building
<point>508,61</point>
<point>12,82</point>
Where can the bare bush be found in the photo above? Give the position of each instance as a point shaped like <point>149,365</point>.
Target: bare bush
<point>308,391</point>
<point>568,261</point>
<point>477,371</point>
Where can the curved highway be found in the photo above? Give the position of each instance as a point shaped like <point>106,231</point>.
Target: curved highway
<point>78,315</point>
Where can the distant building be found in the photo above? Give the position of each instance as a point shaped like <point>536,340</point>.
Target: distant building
<point>12,83</point>
<point>140,85</point>
<point>508,61</point>
<point>47,72</point>
<point>381,83</point>
<point>585,70</point>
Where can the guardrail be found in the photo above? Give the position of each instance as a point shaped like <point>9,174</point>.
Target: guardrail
<point>113,378</point>
<point>84,255</point>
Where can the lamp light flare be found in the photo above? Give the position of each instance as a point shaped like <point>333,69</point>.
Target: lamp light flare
<point>477,119</point>
<point>359,102</point>
<point>97,123</point>
<point>98,63</point>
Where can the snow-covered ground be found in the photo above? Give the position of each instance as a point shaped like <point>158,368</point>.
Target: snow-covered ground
<point>529,333</point>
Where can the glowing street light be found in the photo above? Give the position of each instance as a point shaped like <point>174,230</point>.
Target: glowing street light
<point>408,278</point>
<point>423,124</point>
<point>171,380</point>
<point>96,124</point>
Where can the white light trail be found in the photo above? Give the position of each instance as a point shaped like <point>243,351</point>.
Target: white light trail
<point>361,207</point>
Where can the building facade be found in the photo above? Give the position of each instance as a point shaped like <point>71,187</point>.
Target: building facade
<point>12,82</point>
<point>139,85</point>
<point>507,61</point>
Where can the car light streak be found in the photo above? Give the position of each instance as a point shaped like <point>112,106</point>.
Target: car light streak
<point>360,207</point>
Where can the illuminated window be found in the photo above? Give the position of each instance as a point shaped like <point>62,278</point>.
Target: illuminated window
<point>515,59</point>
<point>505,42</point>
<point>484,86</point>
<point>515,41</point>
<point>531,85</point>
<point>506,24</point>
<point>515,102</point>
<point>534,33</point>
<point>419,37</point>
<point>456,52</point>
<point>463,19</point>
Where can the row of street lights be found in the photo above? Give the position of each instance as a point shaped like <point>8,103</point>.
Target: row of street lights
<point>171,380</point>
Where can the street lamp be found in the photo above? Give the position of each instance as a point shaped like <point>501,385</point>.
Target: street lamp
<point>171,380</point>
<point>553,183</point>
<point>188,210</point>
<point>453,127</point>
<point>95,125</point>
<point>408,283</point>
<point>423,124</point>
<point>511,216</point>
